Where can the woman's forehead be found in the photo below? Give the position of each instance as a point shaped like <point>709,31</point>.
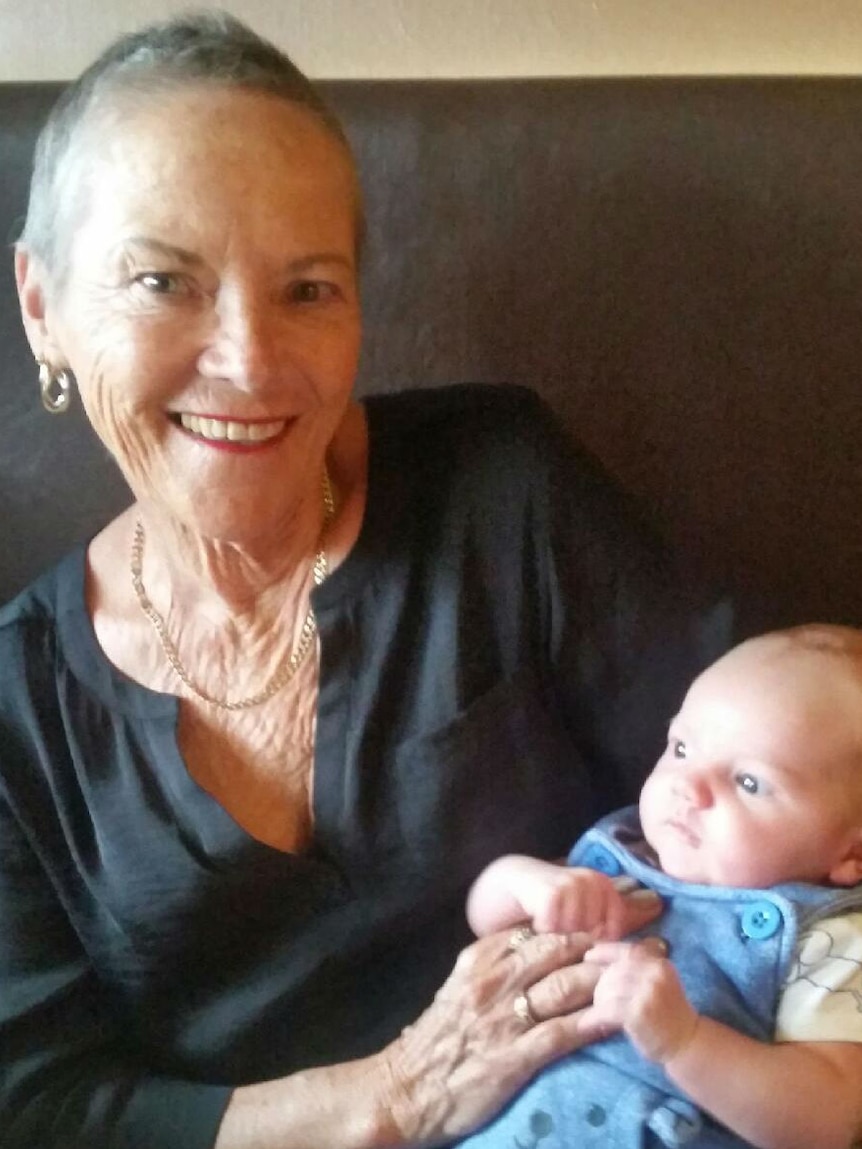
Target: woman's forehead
<point>194,155</point>
<point>199,122</point>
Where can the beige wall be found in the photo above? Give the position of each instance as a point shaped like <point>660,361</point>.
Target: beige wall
<point>41,39</point>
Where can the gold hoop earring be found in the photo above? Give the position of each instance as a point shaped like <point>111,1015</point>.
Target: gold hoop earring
<point>55,388</point>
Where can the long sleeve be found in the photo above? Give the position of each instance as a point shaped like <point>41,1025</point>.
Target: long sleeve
<point>68,1080</point>
<point>505,626</point>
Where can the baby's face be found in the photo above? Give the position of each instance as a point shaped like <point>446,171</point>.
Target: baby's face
<point>758,783</point>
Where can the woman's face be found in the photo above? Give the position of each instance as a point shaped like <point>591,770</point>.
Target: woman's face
<point>210,312</point>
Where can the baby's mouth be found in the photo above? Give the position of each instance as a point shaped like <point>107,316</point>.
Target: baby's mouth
<point>683,829</point>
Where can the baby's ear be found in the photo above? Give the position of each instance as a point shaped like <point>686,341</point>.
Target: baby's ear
<point>847,871</point>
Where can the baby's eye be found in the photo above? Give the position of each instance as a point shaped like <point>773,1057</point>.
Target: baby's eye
<point>748,783</point>
<point>678,748</point>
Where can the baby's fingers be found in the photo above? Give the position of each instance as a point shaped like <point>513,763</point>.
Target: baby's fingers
<point>633,911</point>
<point>597,1022</point>
<point>608,953</point>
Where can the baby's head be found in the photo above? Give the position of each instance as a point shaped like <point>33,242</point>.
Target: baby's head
<point>761,781</point>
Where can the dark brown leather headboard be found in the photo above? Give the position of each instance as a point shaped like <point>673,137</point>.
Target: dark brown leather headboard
<point>675,264</point>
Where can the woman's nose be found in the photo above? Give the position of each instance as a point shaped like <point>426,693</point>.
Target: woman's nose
<point>244,344</point>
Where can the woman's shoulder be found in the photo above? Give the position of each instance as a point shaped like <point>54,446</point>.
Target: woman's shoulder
<point>28,622</point>
<point>441,428</point>
<point>492,405</point>
<point>504,439</point>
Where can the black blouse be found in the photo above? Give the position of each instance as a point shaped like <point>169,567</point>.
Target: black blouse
<point>500,654</point>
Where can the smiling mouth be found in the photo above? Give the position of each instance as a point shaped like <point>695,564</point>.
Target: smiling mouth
<point>229,430</point>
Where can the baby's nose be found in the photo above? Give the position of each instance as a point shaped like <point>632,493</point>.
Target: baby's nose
<point>695,789</point>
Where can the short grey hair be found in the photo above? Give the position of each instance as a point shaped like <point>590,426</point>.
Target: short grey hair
<point>194,47</point>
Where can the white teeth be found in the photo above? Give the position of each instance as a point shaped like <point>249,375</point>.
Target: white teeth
<point>219,429</point>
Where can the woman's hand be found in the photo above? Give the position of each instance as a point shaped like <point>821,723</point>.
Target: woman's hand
<point>471,1051</point>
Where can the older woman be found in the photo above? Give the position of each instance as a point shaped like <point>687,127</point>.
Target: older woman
<point>258,736</point>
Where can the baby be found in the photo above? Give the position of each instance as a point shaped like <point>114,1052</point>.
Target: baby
<point>750,828</point>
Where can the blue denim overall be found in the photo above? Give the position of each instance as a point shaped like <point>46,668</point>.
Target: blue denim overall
<point>733,950</point>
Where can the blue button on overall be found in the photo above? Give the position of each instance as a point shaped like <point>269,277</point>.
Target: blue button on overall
<point>598,858</point>
<point>761,920</point>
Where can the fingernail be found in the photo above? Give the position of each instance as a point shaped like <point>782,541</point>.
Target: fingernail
<point>657,946</point>
<point>626,884</point>
<point>644,895</point>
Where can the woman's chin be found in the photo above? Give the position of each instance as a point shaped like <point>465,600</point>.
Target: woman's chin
<point>246,524</point>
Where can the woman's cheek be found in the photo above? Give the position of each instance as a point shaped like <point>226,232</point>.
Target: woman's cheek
<point>126,428</point>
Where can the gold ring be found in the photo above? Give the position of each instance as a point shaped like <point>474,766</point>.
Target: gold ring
<point>519,936</point>
<point>522,1010</point>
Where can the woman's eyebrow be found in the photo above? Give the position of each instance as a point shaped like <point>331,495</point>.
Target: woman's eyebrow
<point>159,247</point>
<point>296,266</point>
<point>189,258</point>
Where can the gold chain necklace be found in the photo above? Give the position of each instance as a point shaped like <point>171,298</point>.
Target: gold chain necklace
<point>290,665</point>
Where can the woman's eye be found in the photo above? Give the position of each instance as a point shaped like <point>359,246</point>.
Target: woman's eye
<point>748,783</point>
<point>312,291</point>
<point>160,282</point>
<point>678,748</point>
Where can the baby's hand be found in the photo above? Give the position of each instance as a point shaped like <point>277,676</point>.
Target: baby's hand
<point>640,993</point>
<point>573,899</point>
<point>555,898</point>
